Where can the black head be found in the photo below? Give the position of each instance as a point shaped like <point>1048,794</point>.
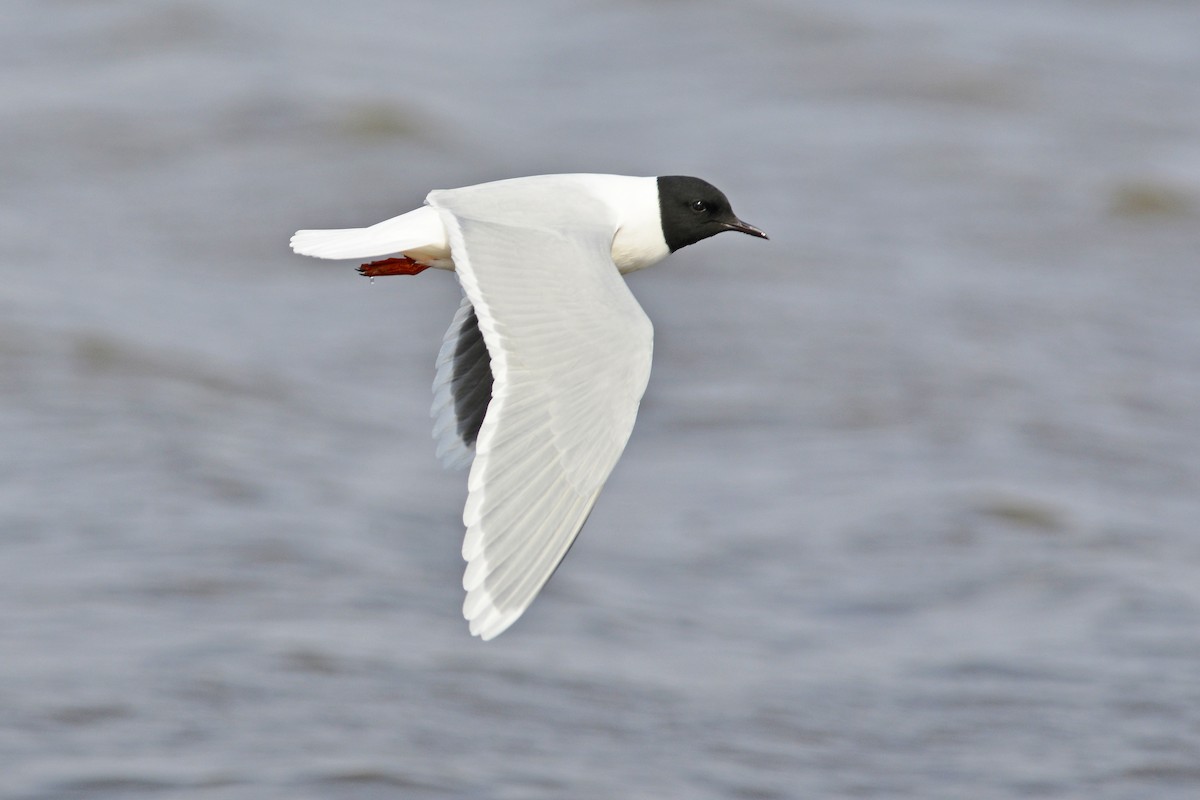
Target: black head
<point>693,209</point>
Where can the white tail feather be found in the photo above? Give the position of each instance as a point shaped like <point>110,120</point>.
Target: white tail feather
<point>344,243</point>
<point>420,229</point>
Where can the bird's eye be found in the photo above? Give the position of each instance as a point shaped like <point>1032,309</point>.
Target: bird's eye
<point>699,206</point>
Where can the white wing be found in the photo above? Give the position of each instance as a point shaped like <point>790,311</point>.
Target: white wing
<point>570,356</point>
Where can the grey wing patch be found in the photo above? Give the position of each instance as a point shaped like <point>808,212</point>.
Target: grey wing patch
<point>471,383</point>
<point>462,389</point>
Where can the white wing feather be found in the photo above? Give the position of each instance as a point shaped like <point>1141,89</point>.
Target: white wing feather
<point>570,353</point>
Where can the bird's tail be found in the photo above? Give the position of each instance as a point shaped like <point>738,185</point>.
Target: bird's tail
<point>340,243</point>
<point>420,229</point>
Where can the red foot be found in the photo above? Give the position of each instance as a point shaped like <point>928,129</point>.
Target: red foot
<point>392,266</point>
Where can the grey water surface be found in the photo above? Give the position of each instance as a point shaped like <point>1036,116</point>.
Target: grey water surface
<point>912,509</point>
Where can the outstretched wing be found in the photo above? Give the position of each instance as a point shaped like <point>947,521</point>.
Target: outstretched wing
<point>570,353</point>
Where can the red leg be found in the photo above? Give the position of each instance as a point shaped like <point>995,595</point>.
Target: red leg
<point>392,266</point>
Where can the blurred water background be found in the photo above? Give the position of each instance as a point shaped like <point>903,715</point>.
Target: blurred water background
<point>913,505</point>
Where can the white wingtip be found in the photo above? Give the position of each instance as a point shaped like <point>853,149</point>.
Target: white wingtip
<point>484,619</point>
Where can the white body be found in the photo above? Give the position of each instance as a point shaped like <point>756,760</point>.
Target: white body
<point>567,346</point>
<point>420,234</point>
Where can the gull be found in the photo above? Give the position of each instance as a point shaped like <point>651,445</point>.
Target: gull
<point>542,370</point>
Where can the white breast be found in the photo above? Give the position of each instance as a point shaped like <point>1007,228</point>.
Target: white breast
<point>638,242</point>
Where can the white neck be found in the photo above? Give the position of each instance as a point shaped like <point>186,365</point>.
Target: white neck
<point>638,242</point>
